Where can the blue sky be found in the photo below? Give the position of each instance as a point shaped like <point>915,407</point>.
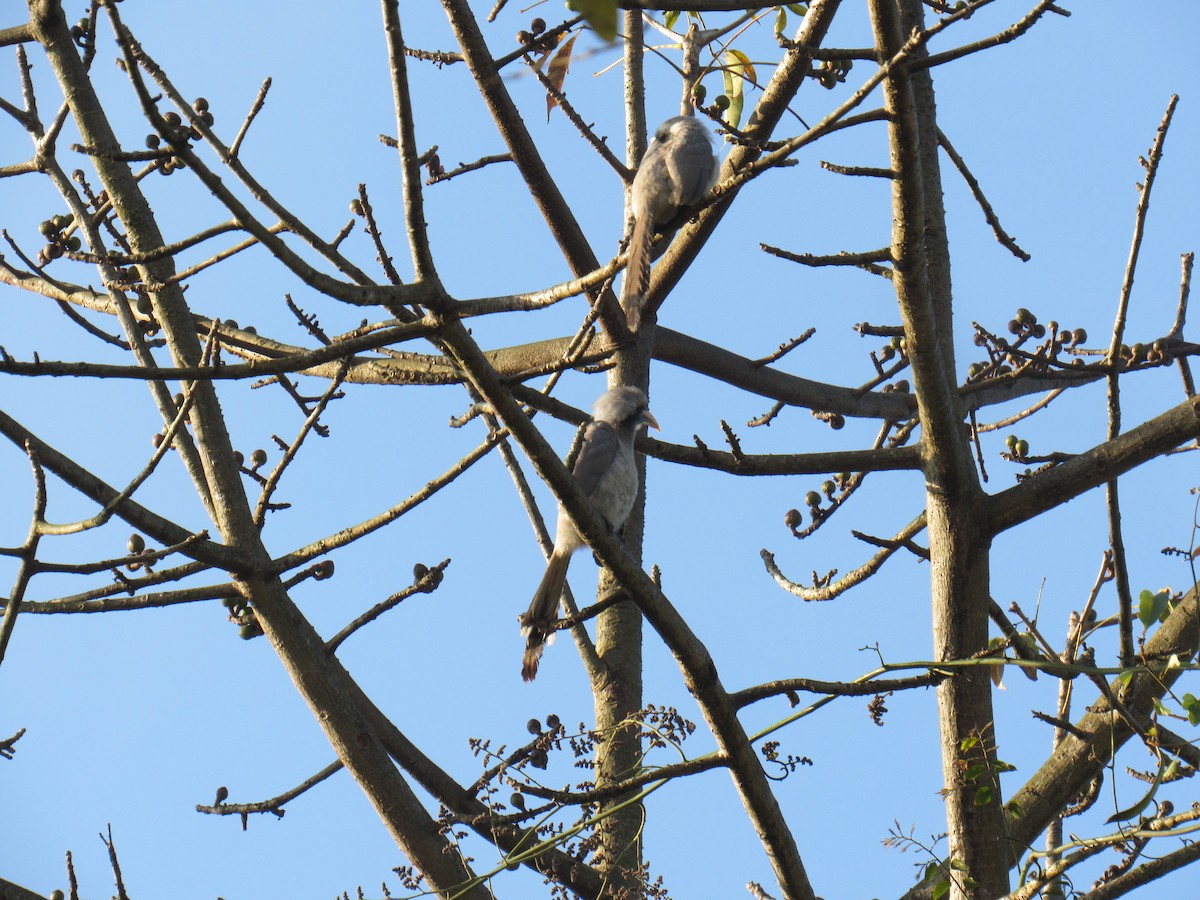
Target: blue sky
<point>134,718</point>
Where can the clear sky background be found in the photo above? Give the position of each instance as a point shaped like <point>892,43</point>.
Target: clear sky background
<point>134,718</point>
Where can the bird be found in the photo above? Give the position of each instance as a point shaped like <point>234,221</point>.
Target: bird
<point>677,171</point>
<point>607,474</point>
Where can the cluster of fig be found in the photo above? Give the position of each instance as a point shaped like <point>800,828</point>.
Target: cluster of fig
<point>536,27</point>
<point>1155,353</point>
<point>538,755</point>
<point>242,615</point>
<point>137,548</point>
<point>433,165</point>
<point>700,93</point>
<point>534,727</point>
<point>1024,326</point>
<point>426,579</point>
<point>893,348</point>
<point>232,324</point>
<point>129,279</point>
<point>793,518</point>
<point>180,134</point>
<point>836,421</point>
<point>80,32</point>
<point>257,459</point>
<point>1018,447</point>
<point>58,240</point>
<point>1025,323</point>
<point>159,437</point>
<point>831,72</point>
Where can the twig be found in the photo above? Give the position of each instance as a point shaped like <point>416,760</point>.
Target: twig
<point>867,260</point>
<point>1120,568</point>
<point>858,171</point>
<point>463,168</point>
<point>426,584</point>
<point>28,553</point>
<point>921,553</point>
<point>116,866</point>
<point>168,439</point>
<point>146,556</point>
<point>331,393</point>
<point>348,535</point>
<point>1185,284</point>
<point>184,274</point>
<point>1003,37</point>
<point>1062,724</point>
<point>1023,414</point>
<point>437,57</point>
<point>1019,648</point>
<point>275,804</point>
<point>367,213</point>
<point>735,445</point>
<point>156,600</point>
<point>757,891</point>
<point>768,417</point>
<point>784,348</point>
<point>860,687</point>
<point>1185,287</point>
<point>977,192</point>
<point>575,119</point>
<point>424,268</point>
<point>70,312</point>
<point>8,746</point>
<point>857,576</point>
<point>255,109</point>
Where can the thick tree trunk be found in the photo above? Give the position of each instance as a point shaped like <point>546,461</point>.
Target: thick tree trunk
<point>320,679</point>
<point>958,543</point>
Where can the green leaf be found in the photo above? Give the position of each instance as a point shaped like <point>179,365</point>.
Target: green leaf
<point>974,772</point>
<point>1123,679</point>
<point>941,889</point>
<point>984,796</point>
<point>1146,608</point>
<point>1192,705</point>
<point>1153,607</point>
<point>780,21</point>
<point>968,743</point>
<point>733,93</point>
<point>671,18</point>
<point>601,15</point>
<point>1014,809</point>
<point>800,9</point>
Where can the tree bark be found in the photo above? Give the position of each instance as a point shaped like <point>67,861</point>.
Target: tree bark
<point>958,544</point>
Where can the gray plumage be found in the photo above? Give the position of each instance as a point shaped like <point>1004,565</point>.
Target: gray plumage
<point>607,473</point>
<point>677,171</point>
